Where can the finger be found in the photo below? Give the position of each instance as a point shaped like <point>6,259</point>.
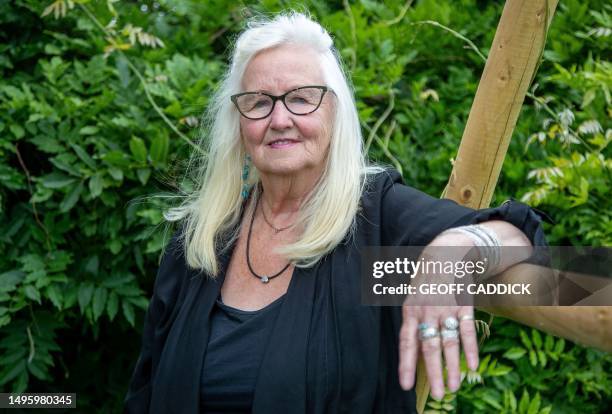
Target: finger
<point>433,363</point>
<point>450,347</point>
<point>408,350</point>
<point>468,337</point>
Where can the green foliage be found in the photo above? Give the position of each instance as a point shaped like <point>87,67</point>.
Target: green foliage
<point>100,102</point>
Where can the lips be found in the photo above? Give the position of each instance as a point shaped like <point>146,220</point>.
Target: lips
<point>283,142</point>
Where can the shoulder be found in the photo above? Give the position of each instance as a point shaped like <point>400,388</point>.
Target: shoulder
<point>387,191</point>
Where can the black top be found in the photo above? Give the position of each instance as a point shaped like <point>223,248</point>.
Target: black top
<point>330,354</point>
<point>237,342</point>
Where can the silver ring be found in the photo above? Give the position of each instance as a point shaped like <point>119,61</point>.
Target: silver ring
<point>428,333</point>
<point>451,323</point>
<point>423,326</point>
<point>449,334</point>
<point>466,318</point>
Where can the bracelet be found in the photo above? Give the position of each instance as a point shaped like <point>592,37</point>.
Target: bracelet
<point>487,243</point>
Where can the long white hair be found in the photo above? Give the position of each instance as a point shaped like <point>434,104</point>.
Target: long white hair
<point>212,211</point>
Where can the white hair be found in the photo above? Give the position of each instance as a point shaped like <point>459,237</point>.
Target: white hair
<point>212,211</point>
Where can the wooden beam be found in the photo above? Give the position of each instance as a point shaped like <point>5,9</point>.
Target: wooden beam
<point>513,59</point>
<point>512,62</point>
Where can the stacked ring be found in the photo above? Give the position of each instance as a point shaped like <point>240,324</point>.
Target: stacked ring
<point>466,318</point>
<point>451,323</point>
<point>428,333</point>
<point>449,334</point>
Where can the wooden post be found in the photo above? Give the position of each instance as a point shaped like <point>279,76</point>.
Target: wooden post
<point>513,59</point>
<point>511,65</point>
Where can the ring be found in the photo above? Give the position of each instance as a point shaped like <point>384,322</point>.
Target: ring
<point>451,323</point>
<point>466,318</point>
<point>423,326</point>
<point>428,333</point>
<point>449,334</point>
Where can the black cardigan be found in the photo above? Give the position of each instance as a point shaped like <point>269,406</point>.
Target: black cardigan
<point>327,353</point>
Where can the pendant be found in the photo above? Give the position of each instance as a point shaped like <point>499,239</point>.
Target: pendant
<point>265,279</point>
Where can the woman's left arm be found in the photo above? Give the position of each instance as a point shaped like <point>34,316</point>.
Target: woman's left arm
<point>417,319</point>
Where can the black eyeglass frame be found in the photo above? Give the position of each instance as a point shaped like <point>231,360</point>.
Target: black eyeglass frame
<point>281,98</point>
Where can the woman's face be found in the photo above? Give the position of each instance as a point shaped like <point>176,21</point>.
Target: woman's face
<point>284,143</point>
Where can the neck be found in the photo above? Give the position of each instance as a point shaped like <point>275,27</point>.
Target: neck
<point>284,195</point>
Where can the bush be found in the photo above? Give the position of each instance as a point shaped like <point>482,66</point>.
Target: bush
<point>100,107</point>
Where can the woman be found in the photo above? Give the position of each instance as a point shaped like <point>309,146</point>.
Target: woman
<point>256,306</point>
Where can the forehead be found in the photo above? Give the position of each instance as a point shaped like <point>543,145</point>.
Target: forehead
<point>282,68</point>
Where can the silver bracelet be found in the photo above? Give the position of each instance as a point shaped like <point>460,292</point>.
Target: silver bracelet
<point>486,241</point>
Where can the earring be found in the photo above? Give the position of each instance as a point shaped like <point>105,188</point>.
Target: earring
<point>245,176</point>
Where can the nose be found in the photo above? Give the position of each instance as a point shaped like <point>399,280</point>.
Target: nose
<point>280,118</point>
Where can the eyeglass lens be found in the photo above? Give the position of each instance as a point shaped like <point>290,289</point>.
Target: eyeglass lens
<point>301,102</point>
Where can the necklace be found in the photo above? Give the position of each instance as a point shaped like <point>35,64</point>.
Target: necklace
<point>264,279</point>
<point>276,230</point>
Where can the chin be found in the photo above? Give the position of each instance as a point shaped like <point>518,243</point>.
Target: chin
<point>287,167</point>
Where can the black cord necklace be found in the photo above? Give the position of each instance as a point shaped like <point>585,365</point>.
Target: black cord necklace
<point>264,279</point>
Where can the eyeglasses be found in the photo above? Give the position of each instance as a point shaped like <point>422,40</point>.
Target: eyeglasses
<point>300,101</point>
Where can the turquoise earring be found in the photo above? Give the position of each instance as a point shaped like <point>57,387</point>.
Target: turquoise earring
<point>245,176</point>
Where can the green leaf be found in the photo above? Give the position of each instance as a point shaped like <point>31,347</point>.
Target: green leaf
<point>99,301</point>
<point>130,290</point>
<point>56,180</point>
<point>533,359</point>
<point>32,293</point>
<point>143,175</point>
<point>5,320</point>
<point>112,305</point>
<point>70,296</point>
<point>510,400</point>
<point>525,339</point>
<point>84,156</point>
<point>537,338</point>
<point>85,293</point>
<point>542,358</point>
<point>96,185</point>
<point>65,162</point>
<point>139,150</point>
<point>115,246</point>
<point>9,280</point>
<point>159,149</point>
<point>11,372</point>
<point>549,343</point>
<point>88,130</point>
<point>514,353</point>
<point>559,346</point>
<point>524,403</point>
<point>71,197</point>
<point>38,369</point>
<point>12,355</point>
<point>534,405</point>
<point>55,295</point>
<point>17,130</point>
<point>128,312</point>
<point>116,173</point>
<point>47,144</point>
<point>492,400</point>
<point>140,302</point>
<point>117,280</point>
<point>546,410</point>
<point>92,265</point>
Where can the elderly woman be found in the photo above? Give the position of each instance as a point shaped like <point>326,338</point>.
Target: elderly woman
<point>257,304</point>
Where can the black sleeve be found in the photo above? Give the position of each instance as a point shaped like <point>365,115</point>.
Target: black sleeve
<point>413,218</point>
<point>158,321</point>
